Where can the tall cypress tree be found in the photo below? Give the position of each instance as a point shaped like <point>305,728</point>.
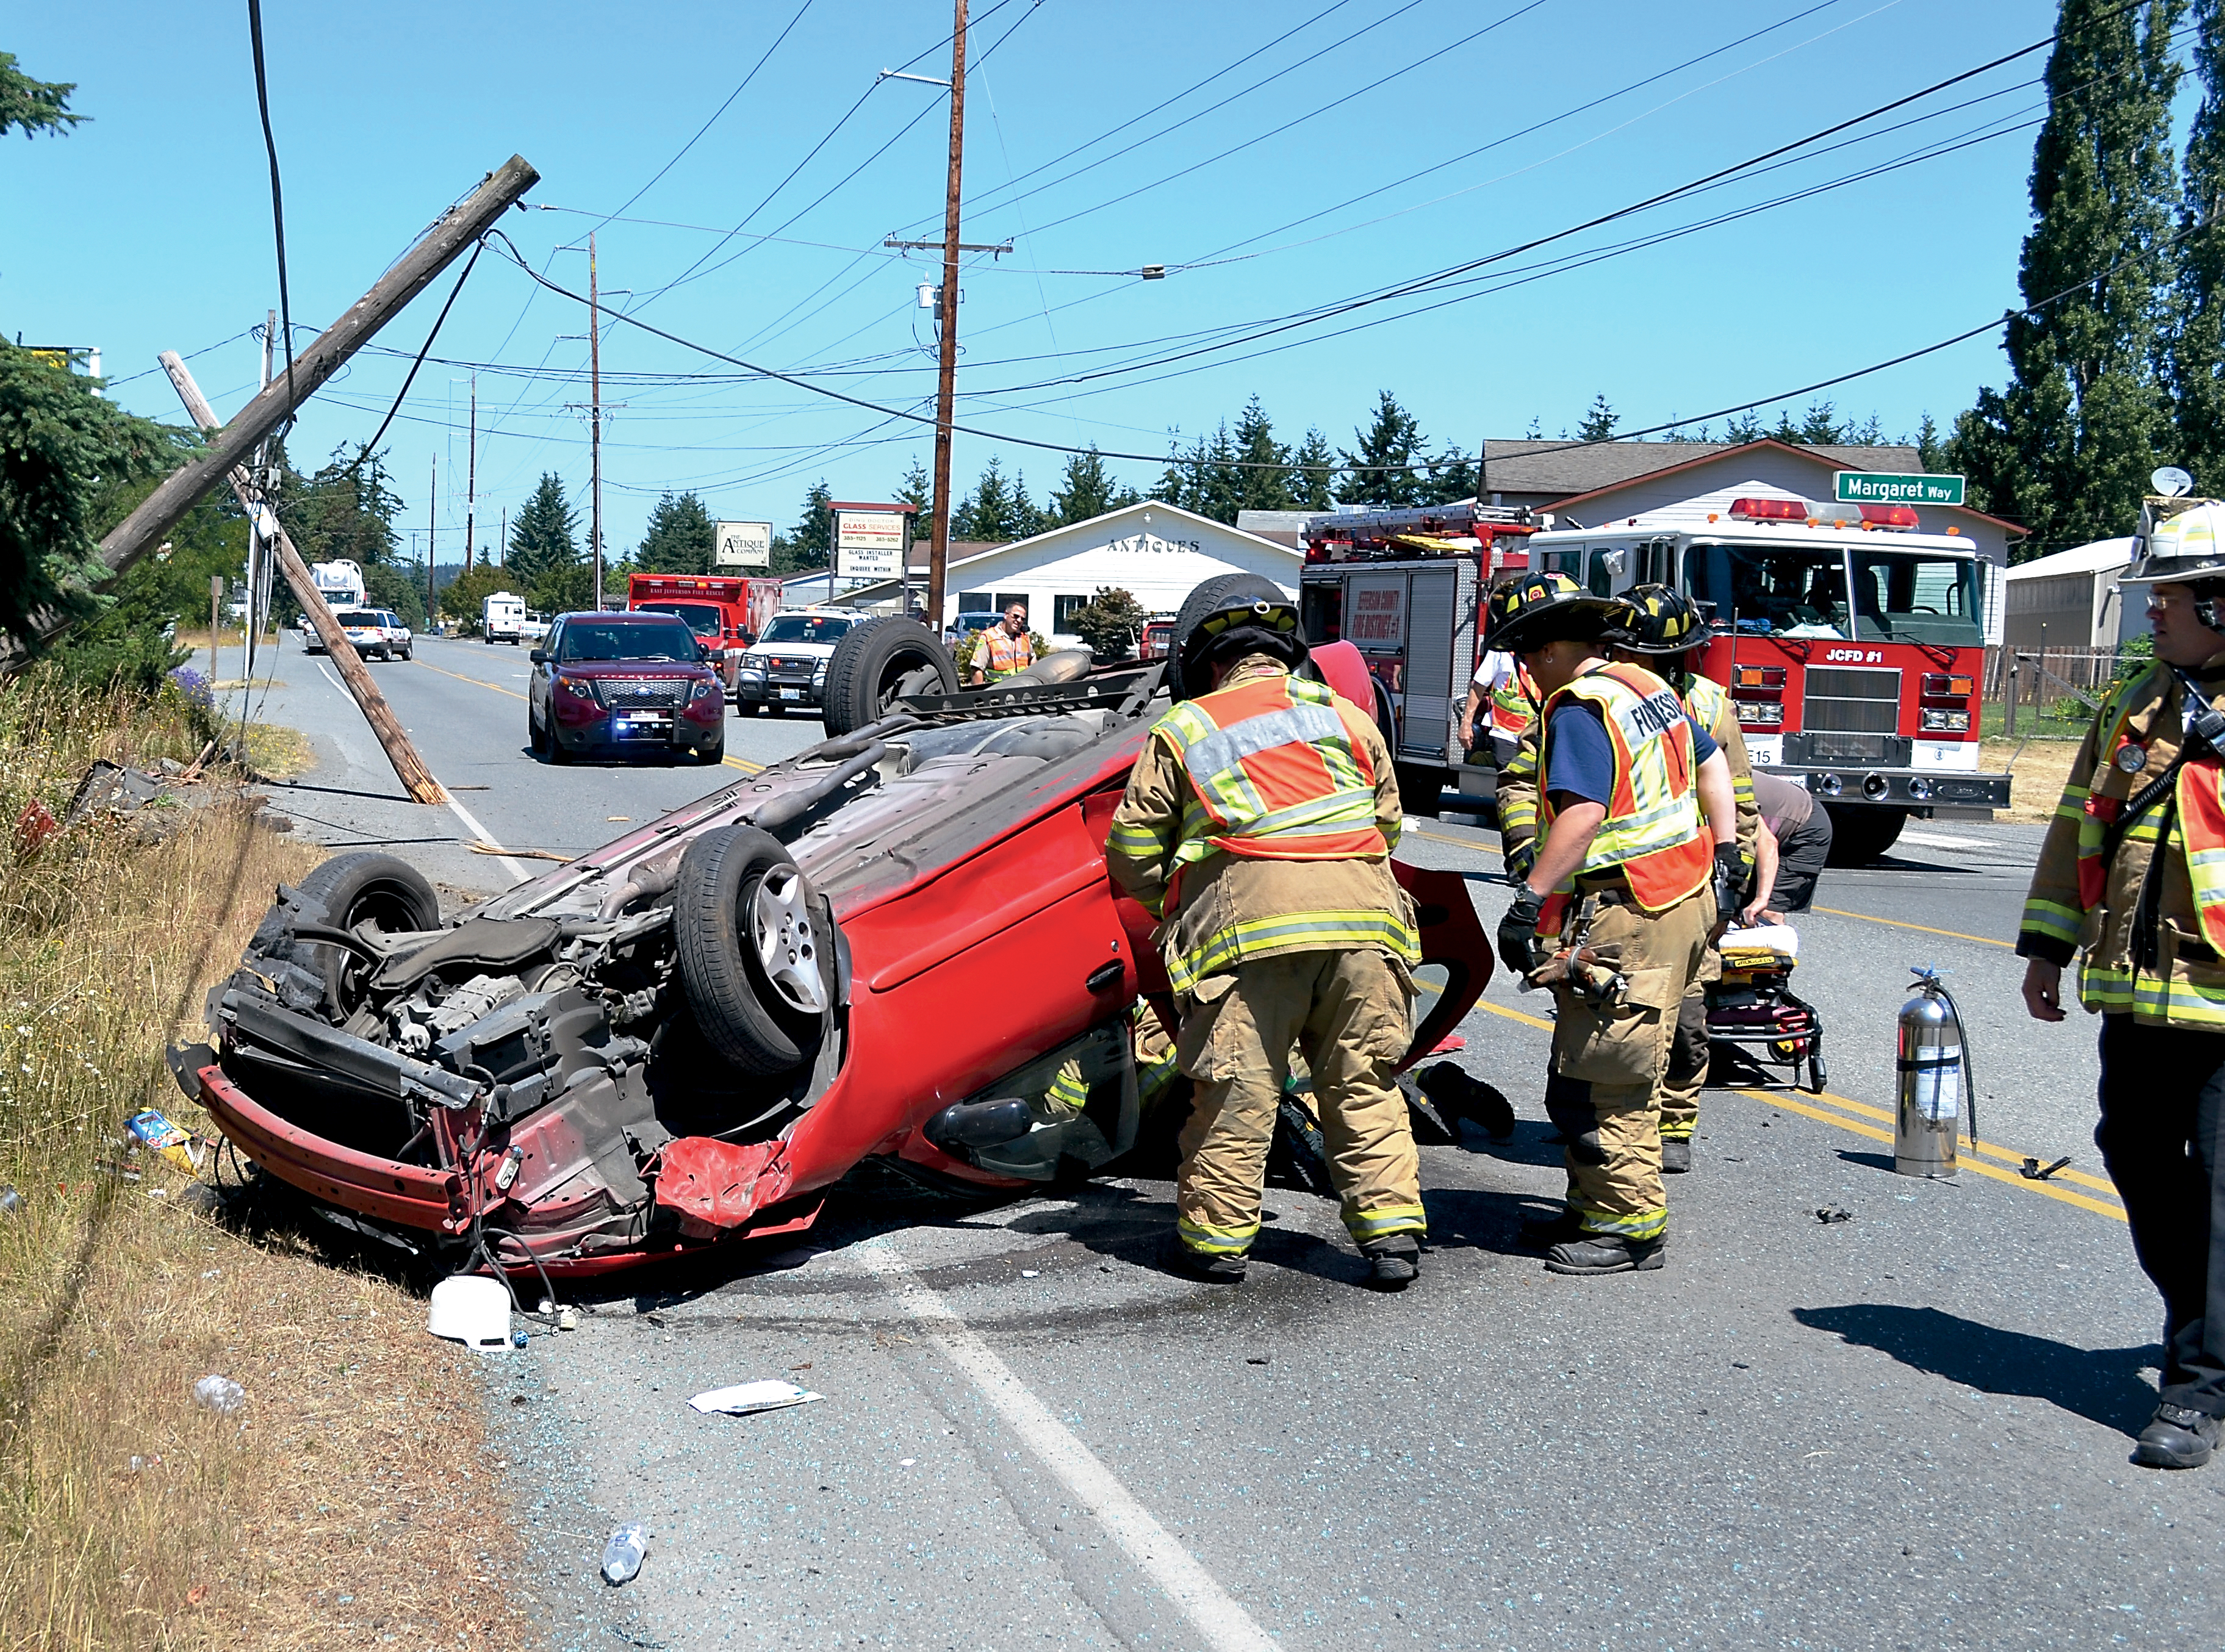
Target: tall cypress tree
<point>681,537</point>
<point>1313,472</point>
<point>1263,484</point>
<point>2067,447</point>
<point>2198,345</point>
<point>1085,490</point>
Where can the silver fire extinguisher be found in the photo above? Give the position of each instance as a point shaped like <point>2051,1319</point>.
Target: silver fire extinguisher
<point>1935,1081</point>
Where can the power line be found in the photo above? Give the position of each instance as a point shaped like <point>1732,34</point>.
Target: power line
<point>277,196</point>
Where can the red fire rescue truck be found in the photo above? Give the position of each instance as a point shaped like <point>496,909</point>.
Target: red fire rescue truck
<point>726,610</point>
<point>1852,642</point>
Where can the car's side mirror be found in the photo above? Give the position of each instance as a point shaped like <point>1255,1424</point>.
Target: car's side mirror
<point>539,656</point>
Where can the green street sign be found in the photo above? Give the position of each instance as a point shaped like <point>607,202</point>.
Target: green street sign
<point>1892,488</point>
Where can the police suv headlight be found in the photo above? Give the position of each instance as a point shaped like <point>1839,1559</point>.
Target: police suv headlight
<point>1932,720</point>
<point>705,688</point>
<point>751,665</point>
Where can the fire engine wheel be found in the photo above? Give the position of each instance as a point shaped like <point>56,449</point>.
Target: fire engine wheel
<point>1421,789</point>
<point>871,667</point>
<point>1860,833</point>
<point>755,949</point>
<point>1202,600</point>
<point>389,894</point>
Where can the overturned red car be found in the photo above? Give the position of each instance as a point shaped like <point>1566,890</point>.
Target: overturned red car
<point>894,947</point>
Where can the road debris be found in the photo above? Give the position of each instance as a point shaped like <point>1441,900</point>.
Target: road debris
<point>745,1399</point>
<point>470,1308</point>
<point>157,1134</point>
<point>624,1553</point>
<point>219,1394</point>
<point>1834,1213</point>
<point>2034,1170</point>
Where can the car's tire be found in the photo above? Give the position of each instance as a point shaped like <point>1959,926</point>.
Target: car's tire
<point>532,733</point>
<point>1861,832</point>
<point>366,886</point>
<point>1208,596</point>
<point>755,949</point>
<point>410,653</point>
<point>711,756</point>
<point>774,708</point>
<point>749,708</point>
<point>869,665</point>
<point>558,755</point>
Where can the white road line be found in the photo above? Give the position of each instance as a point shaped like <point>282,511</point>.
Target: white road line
<point>517,870</point>
<point>1221,1622</point>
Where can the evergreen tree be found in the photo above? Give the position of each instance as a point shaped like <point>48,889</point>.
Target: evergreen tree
<point>1744,427</point>
<point>543,535</point>
<point>1022,520</point>
<point>2067,446</point>
<point>1084,492</point>
<point>1599,424</point>
<point>983,513</point>
<point>1382,473</point>
<point>2197,355</point>
<point>1262,481</point>
<point>1313,472</point>
<point>344,512</point>
<point>918,488</point>
<point>1451,477</point>
<point>33,106</point>
<point>812,540</point>
<point>681,537</point>
<point>1930,449</point>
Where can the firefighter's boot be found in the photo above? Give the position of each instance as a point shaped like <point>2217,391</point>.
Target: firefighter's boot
<point>1608,1253</point>
<point>1544,1232</point>
<point>1208,1268</point>
<point>1393,1264</point>
<point>2177,1437</point>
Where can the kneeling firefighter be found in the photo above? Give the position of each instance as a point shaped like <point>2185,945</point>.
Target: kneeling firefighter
<point>1636,865</point>
<point>1258,824</point>
<point>2133,871</point>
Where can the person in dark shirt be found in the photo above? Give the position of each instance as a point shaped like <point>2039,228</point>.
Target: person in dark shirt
<point>1790,852</point>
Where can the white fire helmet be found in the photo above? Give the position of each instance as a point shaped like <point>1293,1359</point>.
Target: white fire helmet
<point>2181,548</point>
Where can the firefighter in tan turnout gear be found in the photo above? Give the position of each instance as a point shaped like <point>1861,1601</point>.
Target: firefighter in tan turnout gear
<point>1636,865</point>
<point>2133,874</point>
<point>1662,628</point>
<point>1258,824</point>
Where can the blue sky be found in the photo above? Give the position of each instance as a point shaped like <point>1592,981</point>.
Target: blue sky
<point>149,226</point>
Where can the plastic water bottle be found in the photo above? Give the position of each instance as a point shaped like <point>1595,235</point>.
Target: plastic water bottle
<point>622,1555</point>
<point>219,1394</point>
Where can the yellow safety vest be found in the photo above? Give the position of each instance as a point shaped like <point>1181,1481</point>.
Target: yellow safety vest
<point>1652,834</point>
<point>1002,654</point>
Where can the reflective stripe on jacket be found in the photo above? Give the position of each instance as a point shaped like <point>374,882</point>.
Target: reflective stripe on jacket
<point>1002,654</point>
<point>1652,834</point>
<point>2162,964</point>
<point>1276,773</point>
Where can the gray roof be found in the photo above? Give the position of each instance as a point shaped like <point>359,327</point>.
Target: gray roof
<point>1562,470</point>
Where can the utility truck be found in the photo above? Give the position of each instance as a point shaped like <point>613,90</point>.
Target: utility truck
<point>1852,642</point>
<point>502,618</point>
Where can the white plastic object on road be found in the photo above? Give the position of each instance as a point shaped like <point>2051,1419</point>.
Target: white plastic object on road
<point>744,1398</point>
<point>471,1308</point>
<point>219,1394</point>
<point>622,1555</point>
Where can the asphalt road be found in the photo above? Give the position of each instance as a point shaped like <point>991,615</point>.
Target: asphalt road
<point>1906,1429</point>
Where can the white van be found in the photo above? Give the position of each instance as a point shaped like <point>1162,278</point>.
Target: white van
<point>502,618</point>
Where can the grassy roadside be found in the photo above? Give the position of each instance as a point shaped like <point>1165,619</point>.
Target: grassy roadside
<point>2042,769</point>
<point>351,1499</point>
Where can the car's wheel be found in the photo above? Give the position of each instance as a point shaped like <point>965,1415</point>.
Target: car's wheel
<point>410,653</point>
<point>749,708</point>
<point>774,708</point>
<point>559,754</point>
<point>536,741</point>
<point>389,894</point>
<point>755,948</point>
<point>1208,596</point>
<point>1861,832</point>
<point>870,665</point>
<point>711,756</point>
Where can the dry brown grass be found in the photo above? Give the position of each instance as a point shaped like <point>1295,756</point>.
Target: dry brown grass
<point>351,1498</point>
<point>2040,774</point>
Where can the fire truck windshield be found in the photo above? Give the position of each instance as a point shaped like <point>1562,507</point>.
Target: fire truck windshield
<point>1892,596</point>
<point>1800,593</point>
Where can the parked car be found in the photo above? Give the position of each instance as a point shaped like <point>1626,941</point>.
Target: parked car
<point>787,665</point>
<point>1157,638</point>
<point>896,946</point>
<point>367,629</point>
<point>400,643</point>
<point>619,684</point>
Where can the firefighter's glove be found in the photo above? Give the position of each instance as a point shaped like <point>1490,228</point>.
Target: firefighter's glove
<point>1518,931</point>
<point>1729,882</point>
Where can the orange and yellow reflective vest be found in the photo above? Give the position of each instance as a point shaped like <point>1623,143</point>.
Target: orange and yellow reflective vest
<point>1653,833</point>
<point>1514,702</point>
<point>1002,654</point>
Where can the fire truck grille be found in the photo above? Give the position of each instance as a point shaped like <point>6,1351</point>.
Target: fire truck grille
<point>644,693</point>
<point>1840,701</point>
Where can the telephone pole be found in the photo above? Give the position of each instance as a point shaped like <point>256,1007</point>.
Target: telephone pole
<point>595,412</point>
<point>472,478</point>
<point>938,545</point>
<point>432,535</point>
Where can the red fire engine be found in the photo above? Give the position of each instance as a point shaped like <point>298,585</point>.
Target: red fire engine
<point>726,610</point>
<point>1851,643</point>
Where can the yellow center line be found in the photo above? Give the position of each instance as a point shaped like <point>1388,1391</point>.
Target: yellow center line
<point>1778,1098</point>
<point>742,763</point>
<point>1896,923</point>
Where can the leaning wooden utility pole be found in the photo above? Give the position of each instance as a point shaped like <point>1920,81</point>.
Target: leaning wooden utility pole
<point>409,767</point>
<point>167,506</point>
<point>946,316</point>
<point>595,415</point>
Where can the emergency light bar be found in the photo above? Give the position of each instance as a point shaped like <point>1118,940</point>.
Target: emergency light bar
<point>1823,516</point>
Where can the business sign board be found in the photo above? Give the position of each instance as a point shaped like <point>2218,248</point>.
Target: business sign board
<point>1890,487</point>
<point>743,544</point>
<point>869,544</point>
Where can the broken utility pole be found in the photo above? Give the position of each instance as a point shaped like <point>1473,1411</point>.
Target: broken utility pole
<point>410,768</point>
<point>167,506</point>
<point>946,316</point>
